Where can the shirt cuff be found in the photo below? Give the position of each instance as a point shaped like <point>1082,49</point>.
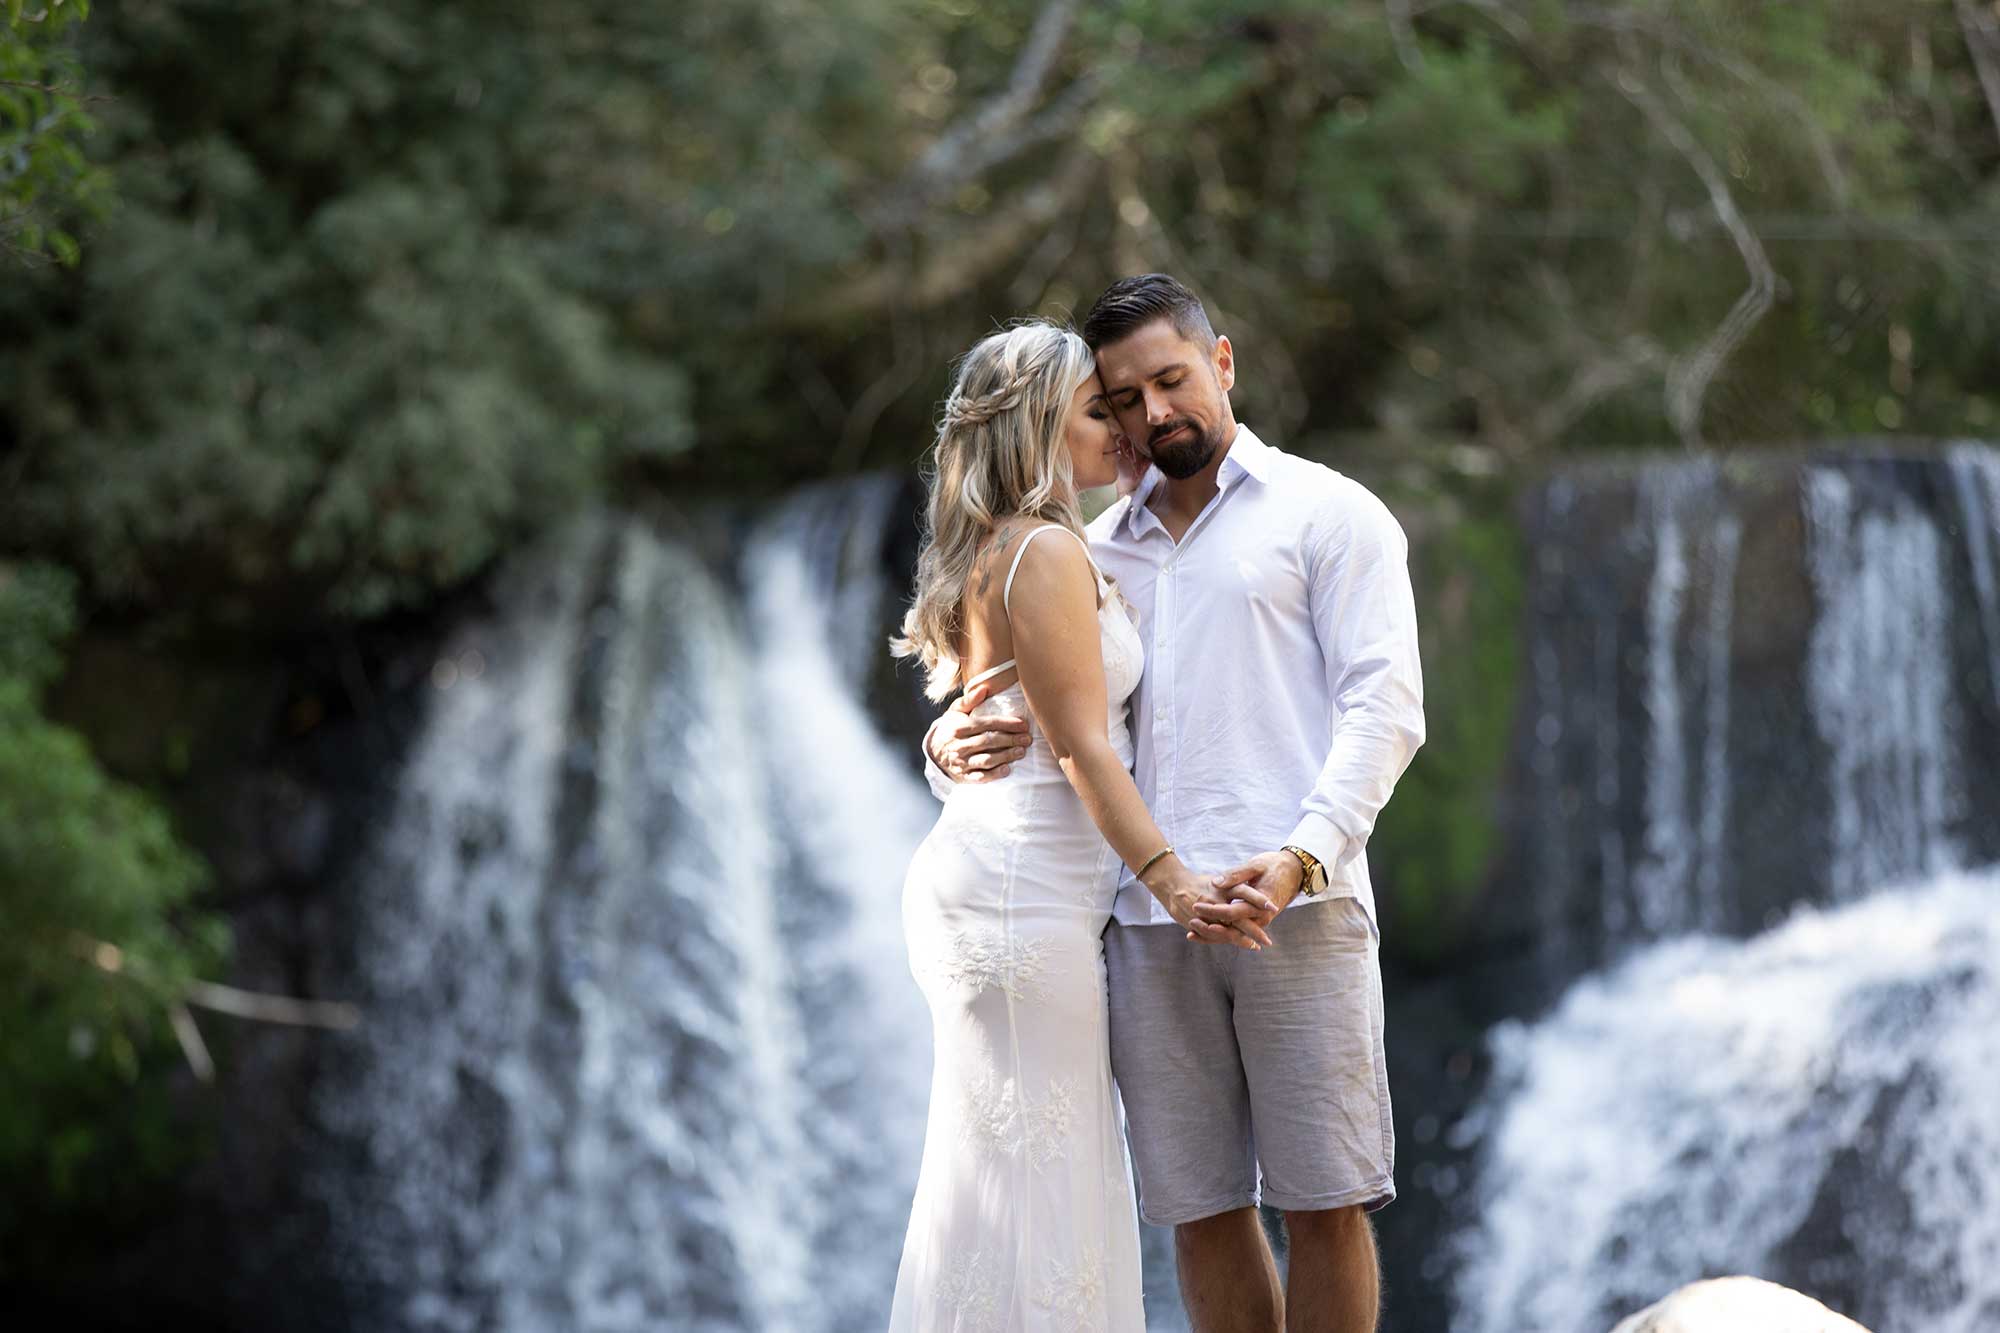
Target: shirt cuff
<point>940,785</point>
<point>1317,835</point>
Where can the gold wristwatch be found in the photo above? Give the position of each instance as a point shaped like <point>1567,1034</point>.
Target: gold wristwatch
<point>1315,880</point>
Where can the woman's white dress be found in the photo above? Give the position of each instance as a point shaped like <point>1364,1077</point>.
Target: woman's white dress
<point>1024,1217</point>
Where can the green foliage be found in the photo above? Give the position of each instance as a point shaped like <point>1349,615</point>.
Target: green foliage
<point>394,284</point>
<point>1437,839</point>
<point>45,180</point>
<point>94,945</point>
<point>1473,225</point>
<point>325,362</point>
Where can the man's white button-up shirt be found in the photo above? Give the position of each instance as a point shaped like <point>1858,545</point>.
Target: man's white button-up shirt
<point>1282,696</point>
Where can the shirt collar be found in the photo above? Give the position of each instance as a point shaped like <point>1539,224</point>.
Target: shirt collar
<point>1248,456</point>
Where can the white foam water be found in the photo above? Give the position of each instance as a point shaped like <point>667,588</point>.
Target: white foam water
<point>642,1050</point>
<point>1815,1106</point>
<point>853,811</point>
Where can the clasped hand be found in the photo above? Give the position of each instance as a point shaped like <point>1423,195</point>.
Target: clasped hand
<point>1239,905</point>
<point>1236,907</point>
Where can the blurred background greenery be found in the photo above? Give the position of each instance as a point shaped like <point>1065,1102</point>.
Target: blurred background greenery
<point>310,311</point>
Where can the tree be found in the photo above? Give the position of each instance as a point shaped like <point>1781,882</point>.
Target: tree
<point>45,179</point>
<point>324,361</point>
<point>98,951</point>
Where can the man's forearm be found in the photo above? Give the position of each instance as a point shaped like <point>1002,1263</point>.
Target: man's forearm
<point>1372,748</point>
<point>935,777</point>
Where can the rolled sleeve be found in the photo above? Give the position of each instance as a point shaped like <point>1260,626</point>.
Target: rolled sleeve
<point>1364,614</point>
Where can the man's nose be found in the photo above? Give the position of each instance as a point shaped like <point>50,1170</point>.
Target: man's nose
<point>1156,408</point>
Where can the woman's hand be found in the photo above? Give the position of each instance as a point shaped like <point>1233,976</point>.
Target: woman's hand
<point>1191,900</point>
<point>1130,466</point>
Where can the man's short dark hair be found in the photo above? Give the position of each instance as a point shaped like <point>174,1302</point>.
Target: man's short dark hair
<point>1130,304</point>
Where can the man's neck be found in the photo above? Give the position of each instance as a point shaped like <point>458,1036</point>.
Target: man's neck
<point>1178,502</point>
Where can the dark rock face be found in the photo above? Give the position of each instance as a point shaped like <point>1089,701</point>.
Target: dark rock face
<point>1753,683</point>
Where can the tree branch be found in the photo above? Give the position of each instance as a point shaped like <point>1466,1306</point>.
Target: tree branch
<point>1595,379</point>
<point>942,161</point>
<point>1982,39</point>
<point>1402,32</point>
<point>965,260</point>
<point>265,1007</point>
<point>192,1046</point>
<point>1688,380</point>
<point>261,1006</point>
<point>1625,22</point>
<point>1003,127</point>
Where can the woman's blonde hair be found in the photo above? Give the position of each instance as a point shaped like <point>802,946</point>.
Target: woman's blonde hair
<point>1000,454</point>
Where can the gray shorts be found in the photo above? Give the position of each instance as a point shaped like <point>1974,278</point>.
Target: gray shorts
<point>1230,1061</point>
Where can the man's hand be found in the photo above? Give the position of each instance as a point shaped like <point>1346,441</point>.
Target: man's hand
<point>972,749</point>
<point>1205,916</point>
<point>1254,892</point>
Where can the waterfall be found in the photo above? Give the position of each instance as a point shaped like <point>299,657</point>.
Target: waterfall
<point>1975,481</point>
<point>642,1047</point>
<point>1813,1106</point>
<point>1815,667</point>
<point>1677,886</point>
<point>852,812</point>
<point>1718,735</point>
<point>1881,687</point>
<point>577,1100</point>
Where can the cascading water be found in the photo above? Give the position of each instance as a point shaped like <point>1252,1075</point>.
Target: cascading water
<point>1748,691</point>
<point>642,1050</point>
<point>852,813</point>
<point>1676,883</point>
<point>1881,687</point>
<point>577,1101</point>
<point>1812,1105</point>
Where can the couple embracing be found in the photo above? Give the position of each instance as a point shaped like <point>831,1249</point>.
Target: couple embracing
<point>1175,730</point>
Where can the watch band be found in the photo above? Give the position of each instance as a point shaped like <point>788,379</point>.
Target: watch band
<point>1315,872</point>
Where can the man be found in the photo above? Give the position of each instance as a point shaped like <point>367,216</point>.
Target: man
<point>1282,698</point>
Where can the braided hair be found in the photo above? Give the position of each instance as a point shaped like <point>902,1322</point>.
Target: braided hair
<point>999,455</point>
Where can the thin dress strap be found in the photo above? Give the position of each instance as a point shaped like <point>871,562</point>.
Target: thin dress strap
<point>1007,589</point>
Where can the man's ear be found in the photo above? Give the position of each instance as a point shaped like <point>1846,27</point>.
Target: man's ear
<point>1225,364</point>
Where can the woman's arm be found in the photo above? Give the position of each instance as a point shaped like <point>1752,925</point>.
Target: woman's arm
<point>1052,609</point>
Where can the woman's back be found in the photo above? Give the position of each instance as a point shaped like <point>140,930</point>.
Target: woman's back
<point>987,619</point>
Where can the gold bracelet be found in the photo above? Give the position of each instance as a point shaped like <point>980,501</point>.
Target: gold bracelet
<point>1140,873</point>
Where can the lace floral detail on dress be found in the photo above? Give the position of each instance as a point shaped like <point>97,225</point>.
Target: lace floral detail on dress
<point>969,1291</point>
<point>990,957</point>
<point>1074,1294</point>
<point>999,1119</point>
<point>985,838</point>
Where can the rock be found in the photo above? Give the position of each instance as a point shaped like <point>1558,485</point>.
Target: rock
<point>1737,1305</point>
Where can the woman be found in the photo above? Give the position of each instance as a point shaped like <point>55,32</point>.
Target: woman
<point>1024,1217</point>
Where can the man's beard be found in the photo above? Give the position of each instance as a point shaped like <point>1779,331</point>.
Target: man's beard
<point>1187,455</point>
